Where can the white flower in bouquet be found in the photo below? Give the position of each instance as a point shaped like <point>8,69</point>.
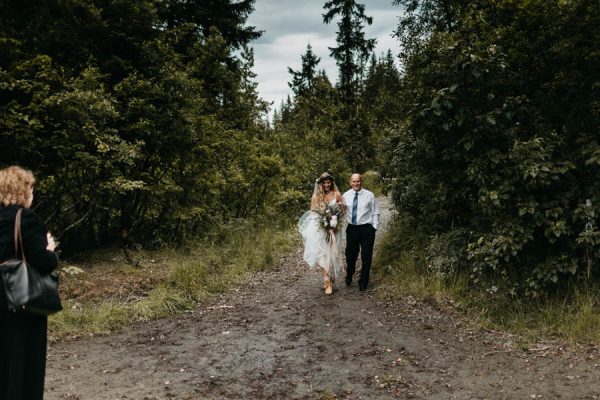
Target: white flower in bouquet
<point>333,221</point>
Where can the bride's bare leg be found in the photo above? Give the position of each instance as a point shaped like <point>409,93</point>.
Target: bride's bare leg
<point>327,283</point>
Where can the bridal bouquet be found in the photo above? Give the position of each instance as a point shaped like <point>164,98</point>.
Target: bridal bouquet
<point>333,217</point>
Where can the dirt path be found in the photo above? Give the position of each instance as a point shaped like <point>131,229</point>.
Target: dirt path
<point>279,337</point>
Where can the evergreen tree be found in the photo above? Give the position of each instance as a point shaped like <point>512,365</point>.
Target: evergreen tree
<point>303,80</point>
<point>351,53</point>
<point>382,85</point>
<point>255,107</point>
<point>381,103</point>
<point>228,17</point>
<point>352,47</point>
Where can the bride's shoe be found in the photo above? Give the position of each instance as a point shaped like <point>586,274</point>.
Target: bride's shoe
<point>328,287</point>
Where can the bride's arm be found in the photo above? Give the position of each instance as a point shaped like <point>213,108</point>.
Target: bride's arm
<point>339,198</point>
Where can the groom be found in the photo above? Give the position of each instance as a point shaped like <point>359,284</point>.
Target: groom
<point>363,220</point>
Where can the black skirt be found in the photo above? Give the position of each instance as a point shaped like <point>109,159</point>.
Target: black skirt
<point>22,355</point>
<point>23,336</point>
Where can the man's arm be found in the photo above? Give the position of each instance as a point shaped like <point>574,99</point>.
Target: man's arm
<point>375,212</point>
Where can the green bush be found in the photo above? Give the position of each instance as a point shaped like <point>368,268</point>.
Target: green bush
<point>497,155</point>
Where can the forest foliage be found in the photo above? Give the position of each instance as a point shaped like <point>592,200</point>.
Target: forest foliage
<point>494,160</point>
<point>143,122</point>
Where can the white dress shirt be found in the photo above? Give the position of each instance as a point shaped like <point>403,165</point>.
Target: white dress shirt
<point>367,210</point>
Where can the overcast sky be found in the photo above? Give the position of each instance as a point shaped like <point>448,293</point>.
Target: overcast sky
<point>289,25</point>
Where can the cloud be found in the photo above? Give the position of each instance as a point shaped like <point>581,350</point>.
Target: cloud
<point>289,28</point>
<point>283,52</point>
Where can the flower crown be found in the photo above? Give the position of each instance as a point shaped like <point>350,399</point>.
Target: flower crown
<point>325,178</point>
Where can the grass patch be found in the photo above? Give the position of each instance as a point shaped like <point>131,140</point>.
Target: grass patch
<point>573,315</point>
<point>403,274</point>
<point>90,318</point>
<point>118,288</point>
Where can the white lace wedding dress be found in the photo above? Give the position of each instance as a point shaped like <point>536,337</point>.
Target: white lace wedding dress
<point>318,251</point>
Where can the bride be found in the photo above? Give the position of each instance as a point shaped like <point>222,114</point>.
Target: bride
<point>321,230</point>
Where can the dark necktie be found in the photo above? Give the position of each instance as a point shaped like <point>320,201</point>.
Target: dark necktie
<point>354,208</point>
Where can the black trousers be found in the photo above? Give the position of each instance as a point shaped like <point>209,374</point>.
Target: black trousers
<point>360,239</point>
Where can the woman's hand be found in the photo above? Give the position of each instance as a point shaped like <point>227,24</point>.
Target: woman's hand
<point>51,242</point>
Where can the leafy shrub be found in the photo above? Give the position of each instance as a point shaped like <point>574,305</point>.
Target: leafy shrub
<point>498,153</point>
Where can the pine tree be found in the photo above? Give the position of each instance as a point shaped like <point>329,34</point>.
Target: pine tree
<point>303,80</point>
<point>227,16</point>
<point>353,48</point>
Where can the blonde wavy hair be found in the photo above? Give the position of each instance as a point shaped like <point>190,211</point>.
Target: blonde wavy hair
<point>318,197</point>
<point>16,184</point>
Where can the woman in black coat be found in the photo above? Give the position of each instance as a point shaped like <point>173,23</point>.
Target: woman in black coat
<point>23,336</point>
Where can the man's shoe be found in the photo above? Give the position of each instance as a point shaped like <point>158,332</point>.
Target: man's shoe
<point>348,280</point>
<point>362,288</point>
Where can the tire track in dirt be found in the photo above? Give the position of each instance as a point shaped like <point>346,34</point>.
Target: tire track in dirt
<point>279,337</point>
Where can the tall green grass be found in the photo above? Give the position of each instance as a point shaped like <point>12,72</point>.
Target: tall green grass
<point>201,269</point>
<point>403,273</point>
<point>571,314</point>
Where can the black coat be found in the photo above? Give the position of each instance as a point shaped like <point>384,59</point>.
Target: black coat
<point>23,336</point>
